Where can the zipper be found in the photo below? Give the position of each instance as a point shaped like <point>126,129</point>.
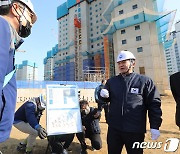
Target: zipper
<point>128,87</point>
<point>122,109</point>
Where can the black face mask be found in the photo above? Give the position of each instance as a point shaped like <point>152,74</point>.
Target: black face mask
<point>25,31</point>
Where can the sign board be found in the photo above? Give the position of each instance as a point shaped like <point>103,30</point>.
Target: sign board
<point>63,110</point>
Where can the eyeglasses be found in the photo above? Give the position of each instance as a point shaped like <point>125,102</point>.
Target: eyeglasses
<point>27,10</point>
<point>29,13</point>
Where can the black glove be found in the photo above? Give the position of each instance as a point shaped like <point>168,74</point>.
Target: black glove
<point>41,132</point>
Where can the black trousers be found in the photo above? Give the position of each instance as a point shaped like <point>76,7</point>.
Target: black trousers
<point>95,139</point>
<point>116,140</point>
<point>106,109</point>
<point>60,142</point>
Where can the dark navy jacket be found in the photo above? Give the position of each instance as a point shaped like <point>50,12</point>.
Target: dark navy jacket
<point>175,88</point>
<point>9,41</point>
<point>130,98</point>
<point>28,113</point>
<point>90,122</point>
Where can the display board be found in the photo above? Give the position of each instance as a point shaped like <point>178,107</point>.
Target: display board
<point>63,110</point>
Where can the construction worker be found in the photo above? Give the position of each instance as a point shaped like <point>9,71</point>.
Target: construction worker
<point>130,95</point>
<point>175,88</point>
<point>27,119</point>
<point>16,19</point>
<point>101,104</point>
<point>91,129</point>
<point>60,143</point>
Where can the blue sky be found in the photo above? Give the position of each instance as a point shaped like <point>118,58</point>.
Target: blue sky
<point>44,32</point>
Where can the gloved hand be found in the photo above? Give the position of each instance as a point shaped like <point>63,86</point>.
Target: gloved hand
<point>41,132</point>
<point>104,93</point>
<point>98,114</point>
<point>155,133</point>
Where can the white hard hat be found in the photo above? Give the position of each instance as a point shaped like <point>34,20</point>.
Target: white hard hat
<point>125,55</point>
<point>42,99</point>
<point>5,2</point>
<point>29,4</point>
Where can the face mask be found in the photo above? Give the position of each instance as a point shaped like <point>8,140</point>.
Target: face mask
<point>25,31</point>
<point>87,110</point>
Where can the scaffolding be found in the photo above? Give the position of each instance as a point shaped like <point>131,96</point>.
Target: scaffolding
<point>106,57</point>
<point>111,57</point>
<point>94,74</point>
<point>77,47</point>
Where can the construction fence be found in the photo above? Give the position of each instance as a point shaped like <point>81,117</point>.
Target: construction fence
<point>27,90</point>
<point>42,84</point>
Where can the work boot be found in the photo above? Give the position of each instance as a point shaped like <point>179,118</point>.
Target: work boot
<point>69,149</point>
<point>93,149</point>
<point>64,151</point>
<point>28,152</point>
<point>83,152</point>
<point>21,147</point>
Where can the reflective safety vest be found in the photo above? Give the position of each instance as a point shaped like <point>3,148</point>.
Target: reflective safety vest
<point>8,77</point>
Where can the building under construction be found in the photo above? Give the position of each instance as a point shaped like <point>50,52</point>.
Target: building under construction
<point>92,32</point>
<point>80,43</point>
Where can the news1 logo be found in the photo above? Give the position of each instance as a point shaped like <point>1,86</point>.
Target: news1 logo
<point>171,145</point>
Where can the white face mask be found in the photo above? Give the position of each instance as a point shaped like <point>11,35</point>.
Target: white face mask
<point>87,110</point>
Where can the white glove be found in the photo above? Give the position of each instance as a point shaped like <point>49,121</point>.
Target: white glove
<point>154,134</point>
<point>104,93</point>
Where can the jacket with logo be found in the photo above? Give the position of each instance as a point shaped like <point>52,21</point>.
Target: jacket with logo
<point>9,41</point>
<point>130,98</point>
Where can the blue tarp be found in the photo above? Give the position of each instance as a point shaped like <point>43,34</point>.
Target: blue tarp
<point>42,84</point>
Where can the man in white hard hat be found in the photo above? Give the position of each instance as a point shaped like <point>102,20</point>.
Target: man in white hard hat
<point>16,20</point>
<point>27,119</point>
<point>130,95</point>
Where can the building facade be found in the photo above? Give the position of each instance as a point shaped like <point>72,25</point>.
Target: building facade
<point>27,71</point>
<point>173,52</point>
<point>80,42</point>
<point>177,47</point>
<point>140,27</point>
<point>92,32</point>
<point>49,64</point>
